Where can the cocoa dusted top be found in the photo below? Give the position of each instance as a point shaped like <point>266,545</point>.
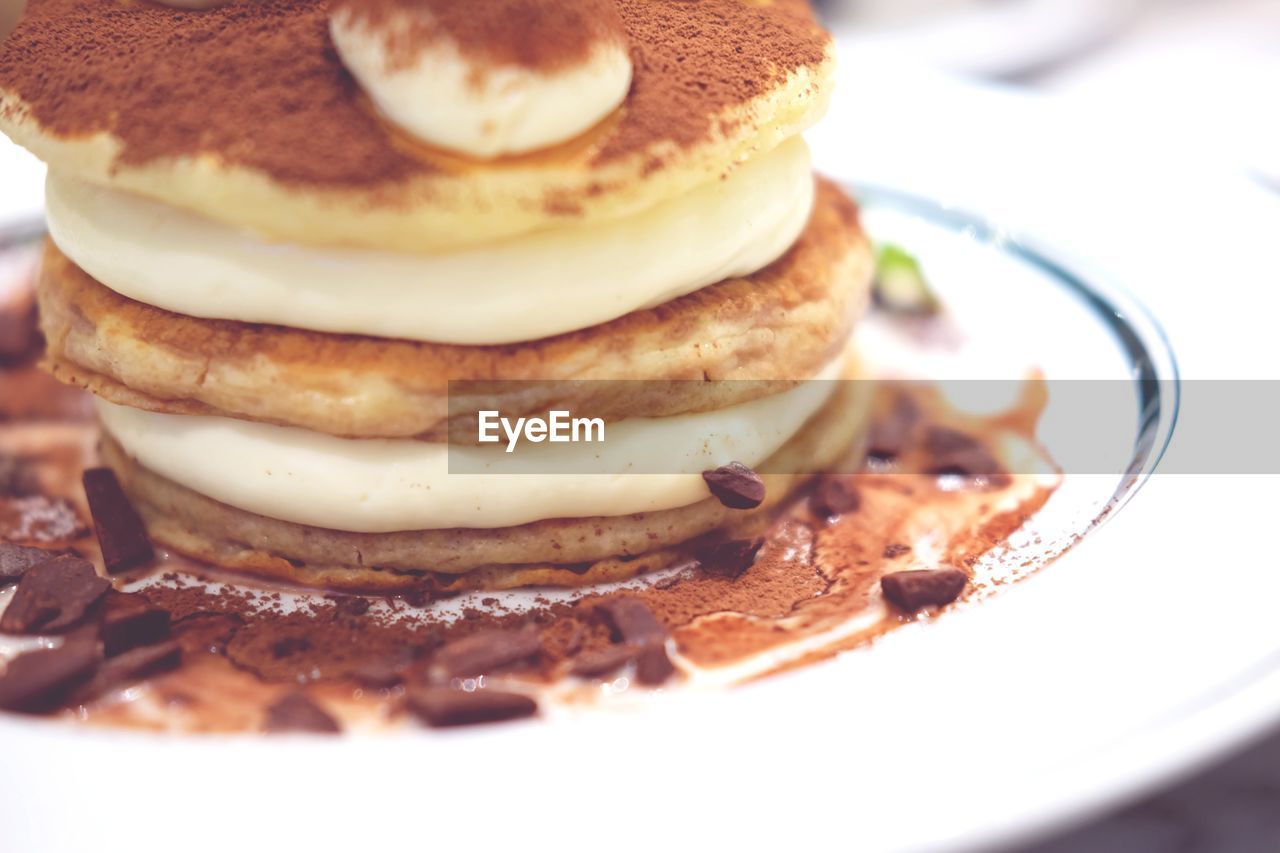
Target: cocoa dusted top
<point>259,84</point>
<point>544,35</point>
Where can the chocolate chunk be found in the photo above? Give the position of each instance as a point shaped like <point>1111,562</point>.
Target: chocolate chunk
<point>892,433</point>
<point>352,605</point>
<point>129,621</point>
<point>602,662</point>
<point>53,596</point>
<point>444,706</point>
<point>953,452</point>
<point>19,334</point>
<point>736,486</point>
<point>120,531</point>
<point>631,621</point>
<point>38,518</point>
<point>729,559</point>
<point>834,496</point>
<point>485,651</point>
<point>297,713</point>
<point>653,667</point>
<point>41,680</point>
<point>914,590</point>
<point>16,559</point>
<point>128,668</point>
<point>18,477</point>
<point>895,550</point>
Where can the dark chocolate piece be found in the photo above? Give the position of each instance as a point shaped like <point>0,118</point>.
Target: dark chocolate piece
<point>19,333</point>
<point>444,706</point>
<point>894,550</point>
<point>953,452</point>
<point>41,680</point>
<point>53,596</point>
<point>894,432</point>
<point>834,495</point>
<point>39,519</point>
<point>296,713</point>
<point>631,621</point>
<point>121,534</point>
<point>130,620</point>
<point>16,559</point>
<point>915,590</point>
<point>128,668</point>
<point>729,559</point>
<point>602,662</point>
<point>351,605</point>
<point>736,486</point>
<point>18,477</point>
<point>485,651</point>
<point>653,667</point>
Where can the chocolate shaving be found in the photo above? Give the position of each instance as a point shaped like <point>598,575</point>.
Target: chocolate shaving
<point>41,680</point>
<point>19,334</point>
<point>653,666</point>
<point>631,621</point>
<point>915,590</point>
<point>444,706</point>
<point>128,668</point>
<point>129,621</point>
<point>40,519</point>
<point>892,433</point>
<point>736,486</point>
<point>485,651</point>
<point>729,559</point>
<point>18,477</point>
<point>834,496</point>
<point>53,596</point>
<point>296,713</point>
<point>121,534</point>
<point>953,452</point>
<point>16,559</point>
<point>605,661</point>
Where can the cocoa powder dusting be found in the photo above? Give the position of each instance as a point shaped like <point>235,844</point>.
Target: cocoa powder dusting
<point>545,35</point>
<point>260,85</point>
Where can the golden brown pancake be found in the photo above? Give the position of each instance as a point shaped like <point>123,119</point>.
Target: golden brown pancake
<point>554,552</point>
<point>782,323</point>
<point>246,114</point>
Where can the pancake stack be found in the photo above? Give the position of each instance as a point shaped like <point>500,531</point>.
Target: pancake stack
<point>282,231</point>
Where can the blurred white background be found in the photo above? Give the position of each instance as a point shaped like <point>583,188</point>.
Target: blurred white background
<point>1199,80</point>
<point>1201,75</point>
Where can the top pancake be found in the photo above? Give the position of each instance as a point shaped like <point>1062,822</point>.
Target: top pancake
<point>245,113</point>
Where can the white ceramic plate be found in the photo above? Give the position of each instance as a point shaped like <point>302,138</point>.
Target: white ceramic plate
<point>1148,649</point>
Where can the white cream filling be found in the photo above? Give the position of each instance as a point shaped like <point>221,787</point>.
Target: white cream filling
<point>527,288</point>
<point>383,485</point>
<point>478,108</point>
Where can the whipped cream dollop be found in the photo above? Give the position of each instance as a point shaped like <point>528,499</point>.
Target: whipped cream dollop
<point>385,485</point>
<point>490,78</point>
<point>520,289</point>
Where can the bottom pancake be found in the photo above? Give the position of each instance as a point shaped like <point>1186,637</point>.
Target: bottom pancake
<point>553,552</point>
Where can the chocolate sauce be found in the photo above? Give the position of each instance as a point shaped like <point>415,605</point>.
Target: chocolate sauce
<point>734,611</point>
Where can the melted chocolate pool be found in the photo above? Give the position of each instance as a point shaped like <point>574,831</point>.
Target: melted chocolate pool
<point>812,590</point>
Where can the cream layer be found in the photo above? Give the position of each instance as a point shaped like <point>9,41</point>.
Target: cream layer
<point>383,485</point>
<point>522,289</point>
